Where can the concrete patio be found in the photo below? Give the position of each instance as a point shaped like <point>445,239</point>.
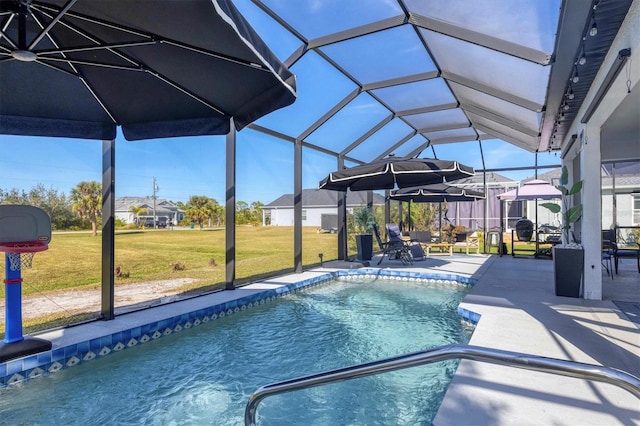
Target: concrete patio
<point>520,313</point>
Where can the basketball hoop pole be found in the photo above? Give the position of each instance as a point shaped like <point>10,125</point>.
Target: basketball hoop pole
<point>13,303</point>
<point>14,262</point>
<point>15,345</point>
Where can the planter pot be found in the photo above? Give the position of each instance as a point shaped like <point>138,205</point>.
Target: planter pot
<point>568,267</point>
<point>524,230</point>
<point>364,244</point>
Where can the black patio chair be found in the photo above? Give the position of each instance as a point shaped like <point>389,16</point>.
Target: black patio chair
<point>394,249</point>
<point>607,255</point>
<point>413,245</point>
<point>621,250</point>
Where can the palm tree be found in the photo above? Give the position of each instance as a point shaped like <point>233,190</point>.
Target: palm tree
<point>86,202</point>
<point>137,211</point>
<point>200,209</point>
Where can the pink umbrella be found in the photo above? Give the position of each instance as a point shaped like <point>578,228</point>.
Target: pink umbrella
<point>532,190</point>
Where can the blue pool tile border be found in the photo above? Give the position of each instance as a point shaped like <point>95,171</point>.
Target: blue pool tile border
<point>469,316</point>
<point>37,365</point>
<point>388,273</point>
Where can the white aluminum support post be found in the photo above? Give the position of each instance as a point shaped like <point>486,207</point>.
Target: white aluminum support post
<point>591,213</point>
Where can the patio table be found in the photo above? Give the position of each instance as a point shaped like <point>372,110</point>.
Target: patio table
<point>444,249</point>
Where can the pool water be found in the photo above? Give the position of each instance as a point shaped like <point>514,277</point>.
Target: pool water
<point>205,375</point>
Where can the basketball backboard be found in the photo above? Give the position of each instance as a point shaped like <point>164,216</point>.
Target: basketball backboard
<point>22,223</point>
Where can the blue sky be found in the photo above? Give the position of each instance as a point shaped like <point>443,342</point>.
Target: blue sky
<point>181,166</point>
<point>196,166</point>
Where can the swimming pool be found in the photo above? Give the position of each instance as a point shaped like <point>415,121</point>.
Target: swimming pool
<point>205,375</point>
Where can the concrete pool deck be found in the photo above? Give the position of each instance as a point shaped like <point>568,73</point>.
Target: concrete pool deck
<point>519,312</point>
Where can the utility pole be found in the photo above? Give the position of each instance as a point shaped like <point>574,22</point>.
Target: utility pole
<point>155,188</point>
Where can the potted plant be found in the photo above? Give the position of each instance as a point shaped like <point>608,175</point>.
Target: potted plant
<point>568,257</point>
<point>364,221</point>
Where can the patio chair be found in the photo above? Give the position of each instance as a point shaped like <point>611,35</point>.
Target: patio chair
<point>414,246</point>
<point>467,241</point>
<point>626,249</point>
<point>394,249</point>
<point>423,237</point>
<point>607,255</point>
<point>607,252</point>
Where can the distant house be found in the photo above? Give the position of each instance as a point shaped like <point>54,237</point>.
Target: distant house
<point>627,190</point>
<point>317,204</point>
<point>165,212</point>
<point>627,195</point>
<point>471,213</point>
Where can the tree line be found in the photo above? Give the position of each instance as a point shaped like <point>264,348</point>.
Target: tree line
<point>206,211</point>
<point>73,212</point>
<point>82,209</point>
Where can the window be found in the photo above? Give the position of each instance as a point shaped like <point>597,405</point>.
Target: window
<point>636,210</point>
<point>304,214</point>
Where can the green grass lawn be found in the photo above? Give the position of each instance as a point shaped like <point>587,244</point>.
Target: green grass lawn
<point>73,261</point>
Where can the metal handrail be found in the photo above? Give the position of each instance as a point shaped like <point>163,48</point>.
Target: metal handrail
<point>494,356</point>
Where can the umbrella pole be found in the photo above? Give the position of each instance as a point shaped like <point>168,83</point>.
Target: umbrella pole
<point>501,227</point>
<point>440,221</point>
<point>342,232</point>
<point>537,242</point>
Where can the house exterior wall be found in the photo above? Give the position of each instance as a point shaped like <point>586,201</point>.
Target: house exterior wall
<point>624,214</point>
<point>471,214</point>
<point>129,218</point>
<point>545,216</point>
<point>314,215</point>
<point>607,210</point>
<point>164,209</point>
<point>284,216</point>
<point>589,154</point>
<point>281,216</point>
<point>126,217</point>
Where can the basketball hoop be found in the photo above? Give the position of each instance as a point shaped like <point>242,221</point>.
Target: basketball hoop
<point>21,254</point>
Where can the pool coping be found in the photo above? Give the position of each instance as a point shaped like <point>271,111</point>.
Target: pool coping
<point>80,344</point>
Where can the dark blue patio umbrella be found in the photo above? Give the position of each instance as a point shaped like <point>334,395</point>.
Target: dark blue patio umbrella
<point>436,193</point>
<point>396,172</point>
<point>157,68</point>
<point>391,173</point>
